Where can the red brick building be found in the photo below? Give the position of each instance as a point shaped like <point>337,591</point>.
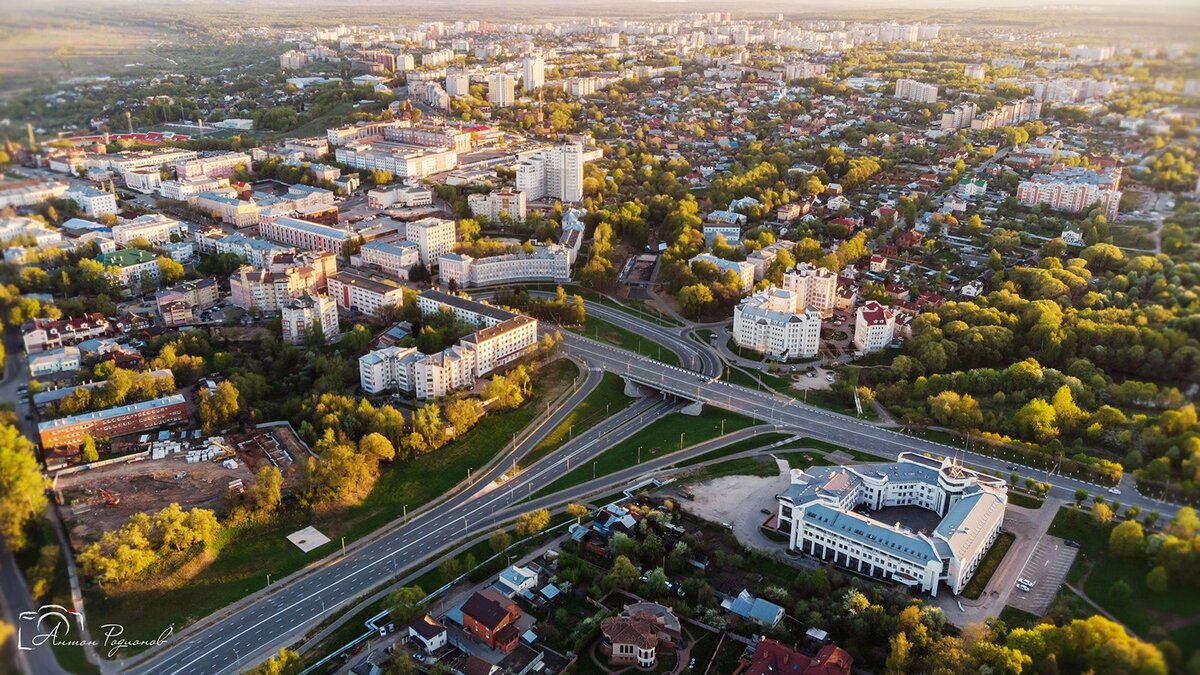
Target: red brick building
<point>773,658</point>
<point>491,618</point>
<point>119,421</point>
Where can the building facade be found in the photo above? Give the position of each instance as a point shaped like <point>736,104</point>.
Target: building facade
<point>814,287</point>
<point>874,327</point>
<point>300,317</point>
<point>773,322</point>
<point>113,422</point>
<point>554,173</point>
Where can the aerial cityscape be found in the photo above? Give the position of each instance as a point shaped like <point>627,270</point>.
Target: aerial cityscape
<point>686,338</point>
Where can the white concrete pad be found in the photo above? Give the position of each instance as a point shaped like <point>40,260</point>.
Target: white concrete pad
<point>307,539</point>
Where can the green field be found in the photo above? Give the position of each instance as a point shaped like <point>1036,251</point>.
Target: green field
<point>803,460</point>
<point>742,466</point>
<point>1095,571</point>
<point>603,331</point>
<point>659,438</point>
<point>987,566</point>
<point>238,562</point>
<point>759,441</point>
<point>608,398</point>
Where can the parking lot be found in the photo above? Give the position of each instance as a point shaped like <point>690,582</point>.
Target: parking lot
<point>1047,568</point>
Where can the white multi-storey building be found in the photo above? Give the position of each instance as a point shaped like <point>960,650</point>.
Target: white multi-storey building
<point>1016,112</point>
<point>402,196</point>
<point>458,85</point>
<point>814,287</point>
<point>545,263</point>
<point>822,509</point>
<point>911,90</point>
<point>153,227</point>
<point>534,73</point>
<point>223,204</point>
<point>394,258</point>
<point>358,292</point>
<point>1074,190</point>
<point>504,200</point>
<point>221,165</point>
<point>400,159</point>
<point>874,327</point>
<point>501,90</point>
<point>744,270</point>
<point>93,202</point>
<point>503,337</point>
<point>266,291</point>
<point>305,235</point>
<point>131,266</point>
<point>183,189</point>
<point>300,316</point>
<point>434,237</point>
<point>959,117</point>
<point>773,321</point>
<point>556,173</point>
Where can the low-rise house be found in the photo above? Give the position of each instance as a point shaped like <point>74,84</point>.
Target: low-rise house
<point>491,619</point>
<point>752,608</point>
<point>429,633</point>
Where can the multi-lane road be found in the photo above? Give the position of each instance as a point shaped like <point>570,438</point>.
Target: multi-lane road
<point>252,630</point>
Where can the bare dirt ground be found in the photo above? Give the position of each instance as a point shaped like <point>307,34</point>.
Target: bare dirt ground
<point>149,485</point>
<point>739,501</point>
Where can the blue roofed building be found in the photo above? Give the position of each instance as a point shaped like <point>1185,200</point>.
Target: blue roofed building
<point>827,509</point>
<point>751,608</point>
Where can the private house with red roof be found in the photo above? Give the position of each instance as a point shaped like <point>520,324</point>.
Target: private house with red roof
<point>491,618</point>
<point>772,658</point>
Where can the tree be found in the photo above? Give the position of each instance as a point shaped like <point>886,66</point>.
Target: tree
<point>500,540</point>
<point>1120,592</point>
<point>267,491</point>
<point>169,271</point>
<point>286,662</point>
<point>377,446</point>
<point>1102,514</point>
<point>532,522</point>
<point>657,581</point>
<point>1156,579</point>
<point>88,454</point>
<point>1080,497</point>
<point>22,486</point>
<point>450,570</point>
<point>218,409</point>
<point>623,574</point>
<point>463,413</point>
<point>897,660</point>
<point>406,604</point>
<point>1126,539</point>
<point>1184,525</point>
<point>694,300</point>
<point>577,511</point>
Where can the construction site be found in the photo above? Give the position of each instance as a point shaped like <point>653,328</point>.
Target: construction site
<point>177,468</point>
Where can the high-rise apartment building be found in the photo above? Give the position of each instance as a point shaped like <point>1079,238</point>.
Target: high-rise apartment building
<point>502,90</point>
<point>535,72</point>
<point>911,90</point>
<point>555,173</point>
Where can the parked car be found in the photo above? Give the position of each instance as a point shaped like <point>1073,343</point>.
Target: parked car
<point>1027,582</point>
<point>1114,491</point>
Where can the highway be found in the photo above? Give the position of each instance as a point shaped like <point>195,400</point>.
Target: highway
<point>250,633</point>
<point>788,413</point>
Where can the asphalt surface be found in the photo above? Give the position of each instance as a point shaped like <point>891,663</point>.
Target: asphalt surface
<point>816,422</point>
<point>253,631</point>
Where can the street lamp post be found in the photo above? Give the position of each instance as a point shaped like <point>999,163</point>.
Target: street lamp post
<point>639,454</point>
<point>681,440</point>
<point>268,578</point>
<point>343,547</point>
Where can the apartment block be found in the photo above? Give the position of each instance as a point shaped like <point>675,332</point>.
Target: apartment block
<point>360,292</point>
<point>911,90</point>
<point>114,422</point>
<point>299,317</point>
<point>814,287</point>
<point>874,327</point>
<point>775,322</point>
<point>545,263</point>
<point>434,238</point>
<point>91,201</point>
<point>554,173</point>
<point>303,234</point>
<point>153,227</point>
<point>505,200</point>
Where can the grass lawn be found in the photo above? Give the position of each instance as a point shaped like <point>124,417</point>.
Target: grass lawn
<point>987,566</point>
<point>40,534</point>
<point>238,562</point>
<point>1022,499</point>
<point>759,441</point>
<point>1018,618</point>
<point>804,459</point>
<point>703,648</point>
<point>1098,571</point>
<point>603,331</point>
<point>659,438</point>
<point>742,466</point>
<point>608,398</point>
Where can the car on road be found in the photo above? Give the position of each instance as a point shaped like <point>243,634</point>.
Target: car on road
<point>1114,491</point>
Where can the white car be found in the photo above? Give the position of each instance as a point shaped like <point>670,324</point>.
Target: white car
<point>1114,491</point>
<point>1023,588</point>
<point>1026,582</point>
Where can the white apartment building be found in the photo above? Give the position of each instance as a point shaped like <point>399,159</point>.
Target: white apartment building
<point>555,173</point>
<point>546,263</point>
<point>400,196</point>
<point>534,72</point>
<point>1008,114</point>
<point>1074,190</point>
<point>301,315</point>
<point>153,227</point>
<point>501,90</point>
<point>292,59</point>
<point>393,258</point>
<point>130,266</point>
<point>182,190</point>
<point>774,322</point>
<point>975,71</point>
<point>224,205</point>
<point>911,90</point>
<point>60,360</point>
<point>302,234</point>
<point>266,291</point>
<point>744,270</point>
<point>814,287</point>
<point>256,252</point>
<point>93,202</point>
<point>434,238</point>
<point>145,181</point>
<point>402,160</point>
<point>959,117</point>
<point>822,510</point>
<point>874,327</point>
<point>30,192</point>
<point>504,200</point>
<point>503,337</point>
<point>458,85</point>
<point>358,292</point>
<point>220,165</point>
